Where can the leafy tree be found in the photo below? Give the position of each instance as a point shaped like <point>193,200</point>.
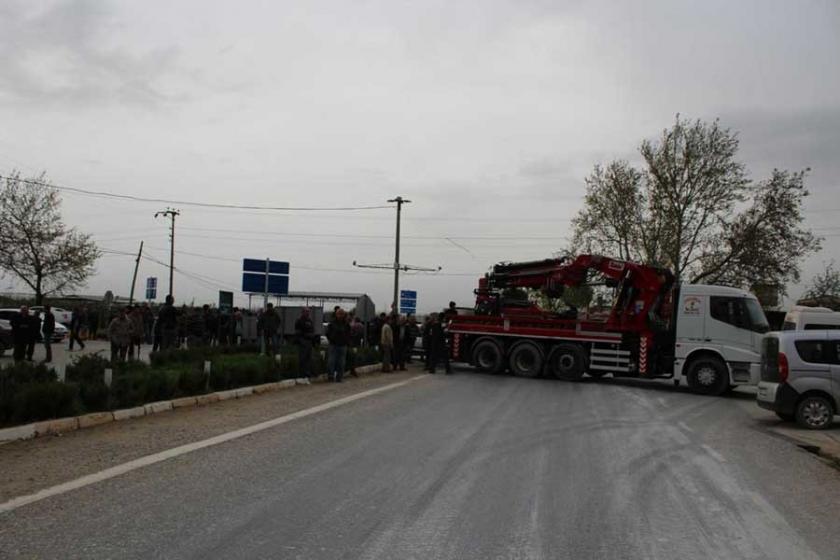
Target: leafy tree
<point>35,246</point>
<point>825,287</point>
<point>691,208</point>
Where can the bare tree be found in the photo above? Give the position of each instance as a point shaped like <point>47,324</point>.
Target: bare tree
<point>693,210</point>
<point>35,246</point>
<point>825,287</point>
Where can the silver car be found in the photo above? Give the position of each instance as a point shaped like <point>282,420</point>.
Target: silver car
<point>800,376</point>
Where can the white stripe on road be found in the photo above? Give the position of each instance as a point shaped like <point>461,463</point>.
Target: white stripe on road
<point>188,448</point>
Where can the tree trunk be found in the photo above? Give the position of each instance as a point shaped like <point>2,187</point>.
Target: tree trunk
<point>39,297</point>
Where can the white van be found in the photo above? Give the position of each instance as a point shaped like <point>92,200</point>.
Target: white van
<point>803,318</point>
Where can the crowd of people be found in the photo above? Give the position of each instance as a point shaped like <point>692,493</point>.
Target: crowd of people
<point>394,335</point>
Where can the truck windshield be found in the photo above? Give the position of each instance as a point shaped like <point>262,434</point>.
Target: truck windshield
<point>758,322</point>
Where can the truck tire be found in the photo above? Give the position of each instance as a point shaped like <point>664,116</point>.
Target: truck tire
<point>708,375</point>
<point>597,374</point>
<point>525,359</point>
<point>567,361</point>
<point>488,357</point>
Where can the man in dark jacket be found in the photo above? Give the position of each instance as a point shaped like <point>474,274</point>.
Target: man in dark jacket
<point>304,335</point>
<point>24,333</point>
<point>439,351</point>
<point>270,329</point>
<point>168,324</point>
<point>77,322</point>
<point>338,335</point>
<point>47,330</point>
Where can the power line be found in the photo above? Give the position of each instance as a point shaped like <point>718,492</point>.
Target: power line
<point>104,194</point>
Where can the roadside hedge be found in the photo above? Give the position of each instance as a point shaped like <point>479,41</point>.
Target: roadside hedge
<point>31,392</point>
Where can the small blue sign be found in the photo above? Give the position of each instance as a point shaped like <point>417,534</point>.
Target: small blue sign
<point>408,294</point>
<point>151,288</point>
<point>408,301</point>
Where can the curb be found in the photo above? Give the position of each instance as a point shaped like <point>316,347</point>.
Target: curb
<point>824,447</point>
<point>60,426</point>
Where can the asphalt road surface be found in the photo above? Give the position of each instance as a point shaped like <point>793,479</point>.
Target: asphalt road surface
<point>467,466</point>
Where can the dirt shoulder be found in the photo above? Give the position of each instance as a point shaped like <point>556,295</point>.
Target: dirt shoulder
<point>31,465</point>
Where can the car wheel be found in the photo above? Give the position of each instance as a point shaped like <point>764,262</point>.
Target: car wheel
<point>526,360</point>
<point>487,356</point>
<point>708,376</point>
<point>567,361</point>
<point>814,413</point>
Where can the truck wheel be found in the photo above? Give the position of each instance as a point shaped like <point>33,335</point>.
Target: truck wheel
<point>708,376</point>
<point>814,412</point>
<point>525,360</point>
<point>567,361</point>
<point>597,374</point>
<point>487,356</point>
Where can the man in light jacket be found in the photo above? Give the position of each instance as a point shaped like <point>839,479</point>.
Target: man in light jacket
<point>386,341</point>
<point>119,333</point>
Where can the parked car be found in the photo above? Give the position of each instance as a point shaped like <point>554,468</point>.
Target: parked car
<point>803,318</point>
<point>800,376</point>
<point>59,333</point>
<point>5,336</point>
<point>62,316</point>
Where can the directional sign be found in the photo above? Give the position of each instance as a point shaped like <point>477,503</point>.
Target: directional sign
<point>408,301</point>
<point>151,288</point>
<point>265,277</point>
<point>225,300</point>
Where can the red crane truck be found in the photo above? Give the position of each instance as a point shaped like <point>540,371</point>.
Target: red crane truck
<point>707,336</point>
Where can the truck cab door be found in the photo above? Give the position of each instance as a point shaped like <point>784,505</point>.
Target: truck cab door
<point>730,330</point>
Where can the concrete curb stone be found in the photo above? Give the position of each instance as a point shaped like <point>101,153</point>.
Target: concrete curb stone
<point>210,398</point>
<point>27,431</point>
<point>126,413</point>
<point>159,406</point>
<point>57,426</point>
<point>184,402</point>
<point>95,419</point>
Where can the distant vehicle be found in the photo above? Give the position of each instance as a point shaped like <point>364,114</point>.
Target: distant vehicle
<point>5,336</point>
<point>59,333</point>
<point>800,376</point>
<point>62,316</point>
<point>803,318</point>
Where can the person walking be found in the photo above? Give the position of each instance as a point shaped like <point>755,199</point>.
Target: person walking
<point>23,333</point>
<point>386,342</point>
<point>77,323</point>
<point>270,328</point>
<point>357,337</point>
<point>119,333</point>
<point>338,335</point>
<point>47,331</point>
<point>439,350</point>
<point>138,332</point>
<point>168,324</point>
<point>304,334</point>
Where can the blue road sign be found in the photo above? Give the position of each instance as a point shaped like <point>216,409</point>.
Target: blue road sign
<point>151,288</point>
<point>254,277</point>
<point>408,301</point>
<point>408,294</point>
<point>257,265</point>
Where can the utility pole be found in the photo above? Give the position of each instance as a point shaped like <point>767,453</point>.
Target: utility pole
<point>171,213</point>
<point>396,266</point>
<point>400,201</point>
<point>134,278</point>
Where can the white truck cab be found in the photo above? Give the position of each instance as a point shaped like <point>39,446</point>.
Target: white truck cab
<point>718,338</point>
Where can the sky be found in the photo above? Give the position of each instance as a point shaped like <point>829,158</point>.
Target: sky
<point>487,115</point>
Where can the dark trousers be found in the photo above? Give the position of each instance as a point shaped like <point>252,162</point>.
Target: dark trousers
<point>19,351</point>
<point>271,342</point>
<point>48,347</point>
<point>409,348</point>
<point>74,337</point>
<point>398,357</point>
<point>118,352</point>
<point>439,353</point>
<point>169,339</point>
<point>30,350</point>
<point>305,358</point>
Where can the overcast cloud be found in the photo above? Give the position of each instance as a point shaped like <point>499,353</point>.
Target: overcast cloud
<point>487,115</point>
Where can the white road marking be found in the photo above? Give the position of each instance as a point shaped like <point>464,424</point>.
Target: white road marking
<point>684,426</point>
<point>161,456</point>
<point>713,453</point>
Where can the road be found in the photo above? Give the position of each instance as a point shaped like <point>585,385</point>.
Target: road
<point>467,466</point>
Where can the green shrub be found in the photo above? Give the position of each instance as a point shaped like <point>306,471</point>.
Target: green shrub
<point>231,371</point>
<point>88,368</point>
<point>172,356</point>
<point>192,381</point>
<point>128,389</point>
<point>42,401</point>
<point>161,384</point>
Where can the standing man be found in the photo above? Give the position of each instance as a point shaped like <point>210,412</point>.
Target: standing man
<point>138,331</point>
<point>23,332</point>
<point>338,335</point>
<point>119,333</point>
<point>47,330</point>
<point>35,321</point>
<point>386,342</point>
<point>427,342</point>
<point>168,324</point>
<point>357,336</point>
<point>148,323</point>
<point>270,327</point>
<point>304,333</point>
<point>77,323</point>
<point>412,332</point>
<point>400,339</point>
<point>439,350</point>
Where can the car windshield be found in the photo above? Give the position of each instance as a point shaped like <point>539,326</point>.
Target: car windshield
<point>758,321</point>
